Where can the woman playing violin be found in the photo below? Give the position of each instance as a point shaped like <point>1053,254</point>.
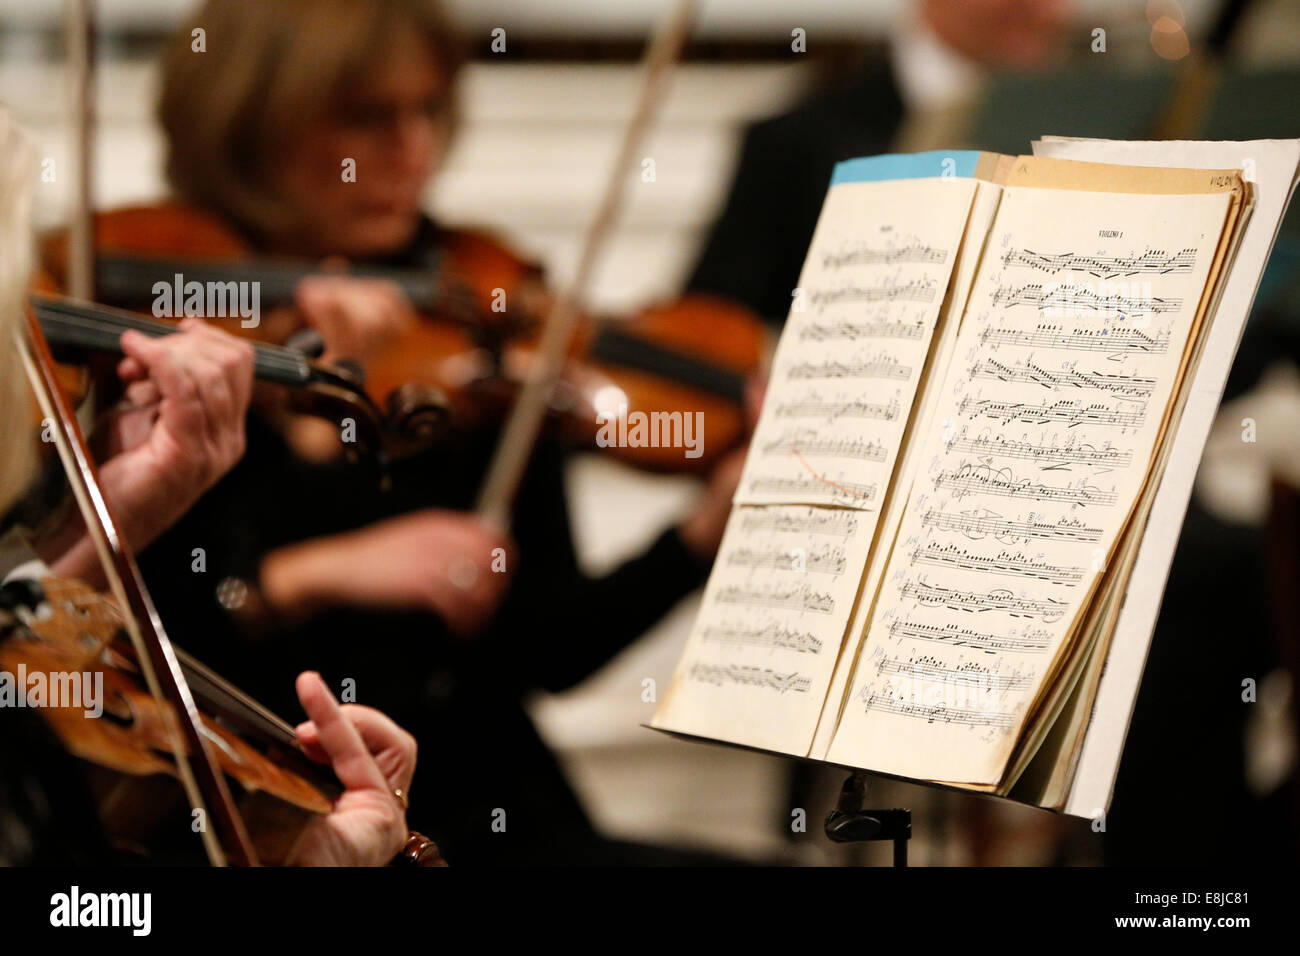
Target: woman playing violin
<point>427,612</point>
<point>179,427</point>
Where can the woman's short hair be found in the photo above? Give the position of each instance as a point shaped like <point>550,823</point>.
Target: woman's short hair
<point>264,67</point>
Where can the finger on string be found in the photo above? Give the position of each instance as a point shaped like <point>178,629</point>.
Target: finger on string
<point>352,763</point>
<point>130,370</point>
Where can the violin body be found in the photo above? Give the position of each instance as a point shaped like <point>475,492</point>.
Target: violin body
<point>77,632</point>
<point>475,343</point>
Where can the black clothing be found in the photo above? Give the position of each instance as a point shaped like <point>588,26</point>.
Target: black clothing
<point>757,246</point>
<point>46,814</point>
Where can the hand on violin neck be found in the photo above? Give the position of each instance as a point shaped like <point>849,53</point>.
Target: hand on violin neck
<point>374,759</point>
<point>177,430</point>
<point>356,317</point>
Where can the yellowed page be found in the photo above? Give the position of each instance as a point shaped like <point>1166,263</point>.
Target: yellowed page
<point>760,658</point>
<point>845,371</point>
<point>982,211</point>
<point>1272,166</point>
<point>770,625</point>
<point>1073,342</point>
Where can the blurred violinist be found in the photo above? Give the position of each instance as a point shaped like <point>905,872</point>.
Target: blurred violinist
<point>178,428</point>
<point>403,596</point>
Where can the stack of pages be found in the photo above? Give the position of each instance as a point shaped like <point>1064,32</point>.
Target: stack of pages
<point>945,557</point>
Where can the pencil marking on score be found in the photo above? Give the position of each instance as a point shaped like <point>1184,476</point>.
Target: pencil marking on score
<point>812,471</point>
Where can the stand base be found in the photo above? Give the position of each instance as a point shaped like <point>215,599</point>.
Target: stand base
<point>850,823</point>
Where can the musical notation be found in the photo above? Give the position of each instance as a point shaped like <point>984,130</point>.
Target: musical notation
<point>810,444</point>
<point>1011,564</point>
<point>879,366</point>
<point>914,290</point>
<point>1048,456</point>
<point>1120,385</point>
<point>966,679</point>
<point>815,485</point>
<point>1046,610</point>
<point>842,524</point>
<point>981,479</point>
<point>822,331</point>
<point>827,559</point>
<point>863,255</point>
<point>1082,298</point>
<point>767,635</point>
<point>814,406</point>
<point>1065,410</point>
<point>798,598</point>
<point>977,526</point>
<point>1026,641</point>
<point>1113,340</point>
<point>1154,261</point>
<point>762,677</point>
<point>935,713</point>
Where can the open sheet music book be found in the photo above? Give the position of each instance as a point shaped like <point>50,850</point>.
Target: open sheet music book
<point>959,506</point>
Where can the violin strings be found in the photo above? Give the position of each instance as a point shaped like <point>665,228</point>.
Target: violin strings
<point>101,327</point>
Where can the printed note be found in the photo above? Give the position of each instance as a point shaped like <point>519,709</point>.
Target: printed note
<point>859,331</point>
<point>768,632</point>
<point>1072,344</point>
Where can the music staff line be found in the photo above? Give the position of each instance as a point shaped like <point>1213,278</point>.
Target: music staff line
<point>1030,642</point>
<point>763,677</point>
<point>1112,340</point>
<point>1005,563</point>
<point>770,635</point>
<point>1130,385</point>
<point>1057,455</point>
<point>1080,298</point>
<point>980,479</point>
<point>1152,261</point>
<point>1065,410</point>
<point>1006,529</point>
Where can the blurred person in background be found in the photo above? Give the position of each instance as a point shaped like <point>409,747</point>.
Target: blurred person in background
<point>938,52</point>
<point>394,595</point>
<point>179,427</point>
<point>1189,723</point>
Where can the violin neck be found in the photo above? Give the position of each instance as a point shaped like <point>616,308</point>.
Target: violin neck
<point>69,324</point>
<point>632,351</point>
<point>132,280</point>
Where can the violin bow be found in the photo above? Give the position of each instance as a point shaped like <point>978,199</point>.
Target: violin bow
<point>227,839</point>
<point>79,34</point>
<point>197,768</point>
<point>519,435</point>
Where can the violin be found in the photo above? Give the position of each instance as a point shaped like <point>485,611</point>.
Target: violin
<point>165,718</point>
<point>75,329</point>
<point>56,626</point>
<point>476,341</point>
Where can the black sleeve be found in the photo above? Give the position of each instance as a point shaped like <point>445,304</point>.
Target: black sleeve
<point>559,624</point>
<point>755,251</point>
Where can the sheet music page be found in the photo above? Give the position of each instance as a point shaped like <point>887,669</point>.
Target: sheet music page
<point>856,340</point>
<point>1072,343</point>
<point>773,615</point>
<point>1274,164</point>
<point>983,209</point>
<point>756,668</point>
